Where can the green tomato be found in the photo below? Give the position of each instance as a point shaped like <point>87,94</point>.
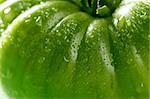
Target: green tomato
<point>10,9</point>
<point>57,50</point>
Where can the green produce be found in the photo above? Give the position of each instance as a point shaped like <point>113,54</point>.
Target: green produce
<point>75,49</point>
<point>9,10</point>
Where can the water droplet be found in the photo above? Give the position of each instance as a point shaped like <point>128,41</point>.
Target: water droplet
<point>65,59</point>
<point>139,88</point>
<point>99,70</point>
<point>29,16</point>
<point>128,22</point>
<point>45,47</point>
<point>89,72</point>
<point>57,31</point>
<point>46,40</point>
<point>1,30</point>
<point>143,14</point>
<point>65,37</point>
<point>7,10</point>
<point>41,2</point>
<point>67,40</point>
<point>131,60</point>
<point>59,42</point>
<point>68,30</point>
<point>38,18</point>
<point>59,34</point>
<point>104,83</point>
<point>27,20</point>
<point>46,14</point>
<point>41,60</point>
<point>142,85</point>
<point>49,49</point>
<point>54,9</point>
<point>115,21</point>
<point>68,25</point>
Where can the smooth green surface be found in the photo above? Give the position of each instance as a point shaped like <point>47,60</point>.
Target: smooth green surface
<point>55,51</point>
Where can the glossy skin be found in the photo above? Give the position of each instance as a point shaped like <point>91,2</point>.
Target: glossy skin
<point>9,10</point>
<point>57,51</point>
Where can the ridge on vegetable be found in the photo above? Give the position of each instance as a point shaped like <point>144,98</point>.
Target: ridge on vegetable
<point>75,49</point>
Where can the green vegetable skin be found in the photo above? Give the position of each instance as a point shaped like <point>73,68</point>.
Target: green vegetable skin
<point>9,10</point>
<point>53,50</point>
